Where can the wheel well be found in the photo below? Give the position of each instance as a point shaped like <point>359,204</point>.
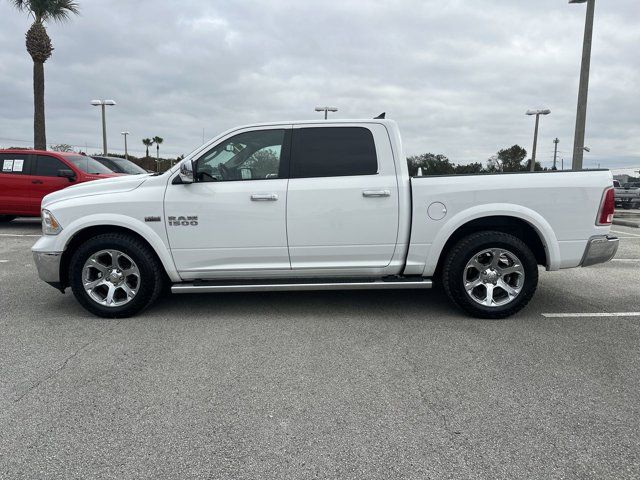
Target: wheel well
<point>515,226</point>
<point>90,232</point>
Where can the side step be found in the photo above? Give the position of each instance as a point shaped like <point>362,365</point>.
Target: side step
<point>279,286</point>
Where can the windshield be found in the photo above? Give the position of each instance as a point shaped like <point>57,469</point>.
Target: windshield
<point>129,167</point>
<point>121,165</point>
<point>88,164</point>
<point>632,185</point>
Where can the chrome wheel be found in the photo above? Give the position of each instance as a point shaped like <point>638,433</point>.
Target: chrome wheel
<point>494,277</point>
<point>111,278</point>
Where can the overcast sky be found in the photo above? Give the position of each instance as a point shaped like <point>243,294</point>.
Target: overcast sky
<point>457,75</point>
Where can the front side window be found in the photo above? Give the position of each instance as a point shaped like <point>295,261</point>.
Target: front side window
<point>333,152</point>
<point>253,155</point>
<point>47,166</point>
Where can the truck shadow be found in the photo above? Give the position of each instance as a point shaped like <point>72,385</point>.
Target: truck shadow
<point>330,304</point>
<point>22,226</point>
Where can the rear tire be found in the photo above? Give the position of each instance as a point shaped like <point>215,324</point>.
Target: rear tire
<point>490,274</point>
<point>115,275</point>
<point>7,218</point>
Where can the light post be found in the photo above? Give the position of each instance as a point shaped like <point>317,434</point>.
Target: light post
<point>537,113</point>
<point>103,104</point>
<point>326,110</point>
<point>126,154</point>
<point>583,92</point>
<point>555,152</point>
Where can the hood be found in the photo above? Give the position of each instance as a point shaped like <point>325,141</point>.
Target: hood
<point>124,183</point>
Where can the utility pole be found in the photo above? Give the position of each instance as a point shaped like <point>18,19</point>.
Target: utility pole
<point>126,154</point>
<point>555,153</point>
<point>583,92</point>
<point>326,110</point>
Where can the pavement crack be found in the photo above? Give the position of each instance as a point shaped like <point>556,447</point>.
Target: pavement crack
<point>66,361</point>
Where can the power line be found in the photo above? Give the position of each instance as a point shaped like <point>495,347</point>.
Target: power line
<point>83,147</point>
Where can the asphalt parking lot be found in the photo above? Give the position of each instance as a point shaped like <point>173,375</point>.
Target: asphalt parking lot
<point>321,384</point>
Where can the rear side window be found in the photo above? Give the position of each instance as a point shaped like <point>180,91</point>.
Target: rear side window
<point>14,163</point>
<point>47,166</point>
<point>333,152</point>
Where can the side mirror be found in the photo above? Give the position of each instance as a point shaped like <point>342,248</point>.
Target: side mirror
<point>64,173</point>
<point>186,172</point>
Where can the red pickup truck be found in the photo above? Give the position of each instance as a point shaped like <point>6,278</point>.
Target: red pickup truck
<point>26,176</point>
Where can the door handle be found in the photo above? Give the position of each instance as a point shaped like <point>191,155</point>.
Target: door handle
<point>36,182</point>
<point>376,193</point>
<point>264,197</point>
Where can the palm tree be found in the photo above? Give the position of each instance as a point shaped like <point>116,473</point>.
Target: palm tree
<point>39,47</point>
<point>158,141</point>
<point>147,143</point>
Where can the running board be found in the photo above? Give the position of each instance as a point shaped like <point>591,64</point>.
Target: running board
<point>204,287</point>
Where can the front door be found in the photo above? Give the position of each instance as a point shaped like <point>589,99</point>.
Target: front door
<point>342,204</point>
<point>45,178</point>
<point>232,221</point>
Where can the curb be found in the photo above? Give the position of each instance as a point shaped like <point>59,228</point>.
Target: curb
<point>626,223</point>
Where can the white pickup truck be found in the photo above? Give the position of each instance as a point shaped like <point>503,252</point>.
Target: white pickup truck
<point>317,206</point>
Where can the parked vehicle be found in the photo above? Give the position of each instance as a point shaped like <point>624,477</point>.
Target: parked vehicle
<point>628,196</point>
<point>28,175</point>
<point>120,165</point>
<point>318,206</point>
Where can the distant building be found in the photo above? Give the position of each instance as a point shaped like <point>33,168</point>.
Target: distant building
<point>624,174</point>
<point>623,178</point>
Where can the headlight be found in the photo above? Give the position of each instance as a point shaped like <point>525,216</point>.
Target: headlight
<point>50,225</point>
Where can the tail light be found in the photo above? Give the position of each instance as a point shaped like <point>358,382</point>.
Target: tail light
<point>607,208</point>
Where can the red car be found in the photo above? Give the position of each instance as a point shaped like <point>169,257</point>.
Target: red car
<point>26,176</point>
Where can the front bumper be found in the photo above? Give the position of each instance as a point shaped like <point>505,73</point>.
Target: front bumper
<point>600,249</point>
<point>48,265</point>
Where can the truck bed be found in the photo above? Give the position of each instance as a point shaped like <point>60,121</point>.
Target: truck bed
<point>560,206</point>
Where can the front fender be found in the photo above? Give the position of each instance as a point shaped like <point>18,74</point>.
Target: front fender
<point>102,219</point>
<point>533,218</point>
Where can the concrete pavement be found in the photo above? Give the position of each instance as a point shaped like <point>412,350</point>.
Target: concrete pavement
<point>321,384</point>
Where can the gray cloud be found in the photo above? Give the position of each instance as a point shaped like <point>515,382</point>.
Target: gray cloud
<point>457,75</point>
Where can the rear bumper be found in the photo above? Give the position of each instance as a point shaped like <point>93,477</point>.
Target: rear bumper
<point>48,265</point>
<point>600,249</point>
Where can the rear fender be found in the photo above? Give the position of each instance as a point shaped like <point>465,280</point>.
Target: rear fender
<point>533,218</point>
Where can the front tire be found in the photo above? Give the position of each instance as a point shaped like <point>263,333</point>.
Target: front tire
<point>115,275</point>
<point>490,274</point>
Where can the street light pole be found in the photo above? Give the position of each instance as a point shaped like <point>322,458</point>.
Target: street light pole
<point>104,131</point>
<point>537,113</point>
<point>583,92</point>
<point>103,104</point>
<point>555,153</point>
<point>126,154</point>
<point>326,110</point>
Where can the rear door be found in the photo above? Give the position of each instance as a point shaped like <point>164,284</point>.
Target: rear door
<point>14,184</point>
<point>45,178</point>
<point>342,200</point>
